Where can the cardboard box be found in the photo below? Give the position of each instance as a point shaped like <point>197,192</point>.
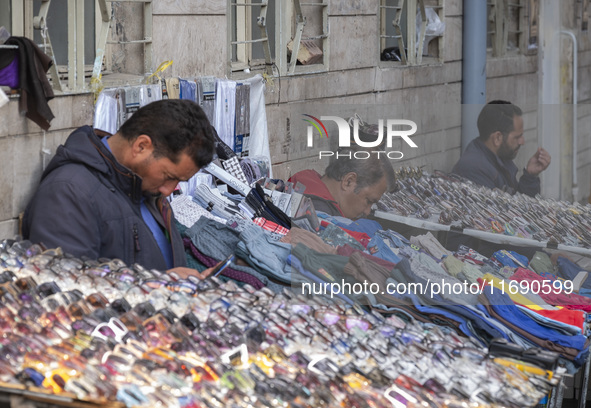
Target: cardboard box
<point>309,53</point>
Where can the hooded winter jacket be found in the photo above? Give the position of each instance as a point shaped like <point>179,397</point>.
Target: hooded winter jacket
<point>89,205</point>
<point>317,191</point>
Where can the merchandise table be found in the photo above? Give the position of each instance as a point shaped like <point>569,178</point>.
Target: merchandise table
<point>558,391</point>
<point>449,203</point>
<point>91,331</point>
<point>483,235</point>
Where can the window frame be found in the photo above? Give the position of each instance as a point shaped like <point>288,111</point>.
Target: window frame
<point>288,11</point>
<point>499,12</point>
<point>244,35</point>
<point>23,22</point>
<point>412,8</point>
<point>286,22</point>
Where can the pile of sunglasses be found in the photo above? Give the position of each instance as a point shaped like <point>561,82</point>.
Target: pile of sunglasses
<point>103,331</point>
<point>450,200</point>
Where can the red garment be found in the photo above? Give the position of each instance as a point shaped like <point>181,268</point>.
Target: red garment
<point>556,298</point>
<point>270,226</point>
<point>361,237</point>
<point>317,191</point>
<point>573,317</point>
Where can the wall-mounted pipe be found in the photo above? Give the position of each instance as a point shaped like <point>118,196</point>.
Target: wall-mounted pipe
<point>575,185</point>
<point>473,67</point>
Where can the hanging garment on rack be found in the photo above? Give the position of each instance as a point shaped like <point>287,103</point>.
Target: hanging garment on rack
<point>223,151</point>
<point>173,88</point>
<point>259,137</point>
<point>36,91</point>
<point>163,88</point>
<point>120,97</point>
<point>188,89</point>
<point>150,93</point>
<point>225,107</point>
<point>242,130</point>
<point>3,98</point>
<point>9,68</point>
<point>132,100</point>
<point>206,95</point>
<point>105,111</point>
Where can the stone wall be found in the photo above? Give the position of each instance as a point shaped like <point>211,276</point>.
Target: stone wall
<point>192,33</point>
<point>25,149</point>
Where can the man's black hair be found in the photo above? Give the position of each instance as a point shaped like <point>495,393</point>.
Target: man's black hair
<point>175,126</point>
<point>497,116</point>
<point>369,171</point>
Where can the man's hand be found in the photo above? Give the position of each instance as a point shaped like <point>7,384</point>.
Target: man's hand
<point>184,272</point>
<point>538,162</point>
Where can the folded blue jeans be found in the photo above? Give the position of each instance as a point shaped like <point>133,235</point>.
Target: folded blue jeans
<point>377,247</point>
<point>266,253</point>
<point>370,227</point>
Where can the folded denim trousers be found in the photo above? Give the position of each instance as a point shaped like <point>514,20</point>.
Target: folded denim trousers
<point>266,253</point>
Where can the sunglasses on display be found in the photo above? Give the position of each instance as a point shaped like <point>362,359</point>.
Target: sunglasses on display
<point>452,200</point>
<point>118,333</point>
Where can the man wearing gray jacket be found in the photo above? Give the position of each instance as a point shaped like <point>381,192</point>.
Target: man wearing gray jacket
<point>106,197</point>
<point>488,159</point>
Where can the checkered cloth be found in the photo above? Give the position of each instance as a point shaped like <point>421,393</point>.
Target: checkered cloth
<point>232,166</point>
<point>270,226</point>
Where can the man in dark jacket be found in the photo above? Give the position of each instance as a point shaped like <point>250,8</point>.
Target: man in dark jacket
<point>107,197</point>
<point>488,160</point>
